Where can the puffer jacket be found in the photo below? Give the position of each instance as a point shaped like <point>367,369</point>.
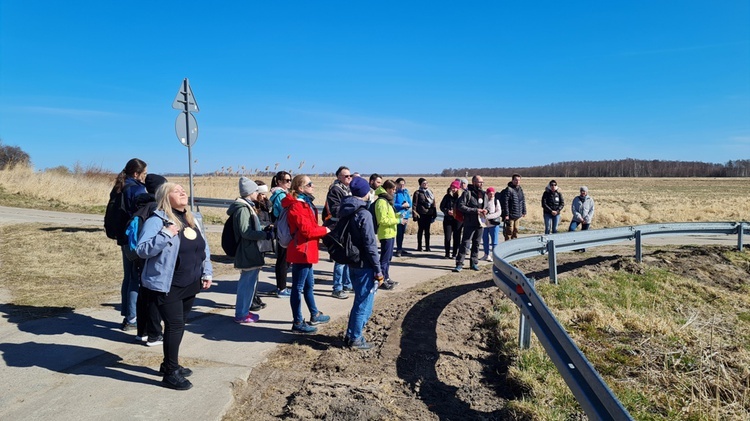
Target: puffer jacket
<point>552,201</point>
<point>362,231</point>
<point>248,229</point>
<point>386,215</point>
<point>160,248</point>
<point>303,224</point>
<point>513,202</point>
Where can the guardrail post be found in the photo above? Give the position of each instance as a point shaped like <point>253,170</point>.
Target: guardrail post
<point>739,236</point>
<point>524,329</point>
<point>552,258</point>
<point>638,248</point>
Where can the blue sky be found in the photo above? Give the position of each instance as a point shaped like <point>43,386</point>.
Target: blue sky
<point>379,86</point>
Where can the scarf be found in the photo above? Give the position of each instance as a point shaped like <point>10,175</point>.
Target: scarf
<point>428,196</point>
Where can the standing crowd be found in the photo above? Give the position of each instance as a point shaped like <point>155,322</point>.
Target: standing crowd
<point>173,257</point>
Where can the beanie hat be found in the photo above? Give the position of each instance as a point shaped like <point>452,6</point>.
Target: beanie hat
<point>262,188</point>
<point>456,184</point>
<point>153,182</point>
<point>247,187</point>
<point>491,190</point>
<point>584,188</point>
<point>359,187</point>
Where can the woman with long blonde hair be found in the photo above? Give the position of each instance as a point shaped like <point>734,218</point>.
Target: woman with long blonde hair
<point>169,236</point>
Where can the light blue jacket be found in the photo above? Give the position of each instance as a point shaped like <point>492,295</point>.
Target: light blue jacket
<point>399,198</point>
<point>160,248</point>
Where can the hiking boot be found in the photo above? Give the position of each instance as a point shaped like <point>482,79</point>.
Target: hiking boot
<point>474,267</point>
<point>176,381</point>
<point>342,295</point>
<point>184,372</point>
<point>127,325</point>
<point>250,318</point>
<point>360,344</point>
<point>319,319</point>
<point>458,268</point>
<point>303,328</point>
<point>159,340</point>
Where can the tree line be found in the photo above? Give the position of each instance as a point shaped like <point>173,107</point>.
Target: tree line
<point>614,168</point>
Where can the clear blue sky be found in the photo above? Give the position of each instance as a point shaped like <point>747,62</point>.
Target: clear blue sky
<point>379,86</point>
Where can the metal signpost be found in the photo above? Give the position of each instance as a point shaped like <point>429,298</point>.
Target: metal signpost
<point>186,126</point>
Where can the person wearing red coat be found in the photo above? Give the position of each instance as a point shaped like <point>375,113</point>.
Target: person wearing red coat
<point>302,252</point>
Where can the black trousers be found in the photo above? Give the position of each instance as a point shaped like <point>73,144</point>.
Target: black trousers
<point>174,307</point>
<point>452,234</point>
<point>470,244</point>
<point>149,319</point>
<point>282,267</point>
<point>423,224</point>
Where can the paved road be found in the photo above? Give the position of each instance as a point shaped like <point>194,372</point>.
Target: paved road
<point>80,366</point>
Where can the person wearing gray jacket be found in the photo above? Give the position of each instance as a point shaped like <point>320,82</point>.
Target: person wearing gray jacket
<point>583,210</point>
<point>170,235</point>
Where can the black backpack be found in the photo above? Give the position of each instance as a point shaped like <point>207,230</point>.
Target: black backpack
<point>339,241</point>
<point>116,216</point>
<point>229,241</point>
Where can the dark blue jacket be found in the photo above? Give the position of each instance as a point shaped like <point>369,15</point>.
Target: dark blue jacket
<point>363,232</point>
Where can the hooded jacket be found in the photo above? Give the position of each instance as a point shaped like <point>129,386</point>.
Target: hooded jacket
<point>160,249</point>
<point>303,224</point>
<point>385,214</point>
<point>248,229</point>
<point>277,195</point>
<point>362,231</point>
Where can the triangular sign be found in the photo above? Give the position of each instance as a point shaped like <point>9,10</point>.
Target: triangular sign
<point>185,100</point>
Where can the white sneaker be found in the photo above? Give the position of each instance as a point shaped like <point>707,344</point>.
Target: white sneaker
<point>487,257</point>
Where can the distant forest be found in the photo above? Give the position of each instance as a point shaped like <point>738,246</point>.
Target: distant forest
<point>617,168</point>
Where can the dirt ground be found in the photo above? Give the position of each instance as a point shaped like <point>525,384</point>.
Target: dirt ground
<point>435,355</point>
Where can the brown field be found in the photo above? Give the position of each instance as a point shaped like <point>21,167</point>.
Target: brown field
<point>619,201</point>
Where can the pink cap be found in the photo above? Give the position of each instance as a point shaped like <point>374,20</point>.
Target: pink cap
<point>456,184</point>
<point>491,190</point>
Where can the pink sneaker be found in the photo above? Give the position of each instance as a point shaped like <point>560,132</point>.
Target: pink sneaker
<point>250,318</point>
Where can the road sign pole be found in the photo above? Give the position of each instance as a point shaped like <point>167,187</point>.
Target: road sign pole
<point>185,101</point>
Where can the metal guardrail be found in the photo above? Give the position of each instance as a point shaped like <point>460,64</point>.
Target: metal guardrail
<point>593,394</point>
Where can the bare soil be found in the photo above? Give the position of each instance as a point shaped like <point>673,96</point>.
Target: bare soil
<point>437,353</point>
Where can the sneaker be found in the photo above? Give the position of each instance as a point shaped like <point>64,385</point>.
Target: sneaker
<point>405,252</point>
<point>184,372</point>
<point>143,338</point>
<point>427,248</point>
<point>284,293</point>
<point>342,295</point>
<point>475,267</point>
<point>303,328</point>
<point>458,268</point>
<point>258,307</point>
<point>388,285</point>
<point>398,253</point>
<point>348,289</point>
<point>128,325</point>
<point>319,319</point>
<point>156,342</point>
<point>360,344</point>
<point>176,381</point>
<point>485,257</point>
<point>250,318</point>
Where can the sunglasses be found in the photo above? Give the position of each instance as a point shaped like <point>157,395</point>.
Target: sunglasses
<point>347,176</point>
<point>310,184</point>
<point>287,180</point>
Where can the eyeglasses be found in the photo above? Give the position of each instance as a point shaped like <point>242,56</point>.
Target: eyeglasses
<point>310,184</point>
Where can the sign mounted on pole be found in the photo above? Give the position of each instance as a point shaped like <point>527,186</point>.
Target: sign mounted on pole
<point>186,126</point>
<point>185,100</point>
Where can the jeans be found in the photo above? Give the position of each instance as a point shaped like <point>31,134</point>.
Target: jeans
<point>386,254</point>
<point>341,278</point>
<point>129,290</point>
<point>489,238</point>
<point>574,225</point>
<point>245,292</point>
<point>470,241</point>
<point>303,282</point>
<point>550,223</point>
<point>363,280</point>
<point>281,268</point>
<point>400,231</point>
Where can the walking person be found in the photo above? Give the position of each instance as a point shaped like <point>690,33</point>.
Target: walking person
<point>491,231</point>
<point>386,221</point>
<point>129,183</point>
<point>552,204</point>
<point>303,252</point>
<point>281,182</point>
<point>248,258</point>
<point>450,223</point>
<point>342,282</point>
<point>513,203</point>
<point>367,274</point>
<point>472,205</point>
<point>402,204</point>
<point>425,213</point>
<point>169,236</point>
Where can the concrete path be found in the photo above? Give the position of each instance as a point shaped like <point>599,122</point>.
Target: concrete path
<point>81,366</point>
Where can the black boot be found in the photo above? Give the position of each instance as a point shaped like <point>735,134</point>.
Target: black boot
<point>257,304</point>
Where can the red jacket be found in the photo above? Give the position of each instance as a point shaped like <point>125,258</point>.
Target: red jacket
<point>303,224</point>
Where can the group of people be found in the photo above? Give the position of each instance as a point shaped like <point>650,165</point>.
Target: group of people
<point>176,257</point>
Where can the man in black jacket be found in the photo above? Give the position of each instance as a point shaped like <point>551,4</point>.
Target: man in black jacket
<point>472,205</point>
<point>514,207</point>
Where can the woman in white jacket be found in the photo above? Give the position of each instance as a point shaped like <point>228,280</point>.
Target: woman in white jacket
<point>491,232</point>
